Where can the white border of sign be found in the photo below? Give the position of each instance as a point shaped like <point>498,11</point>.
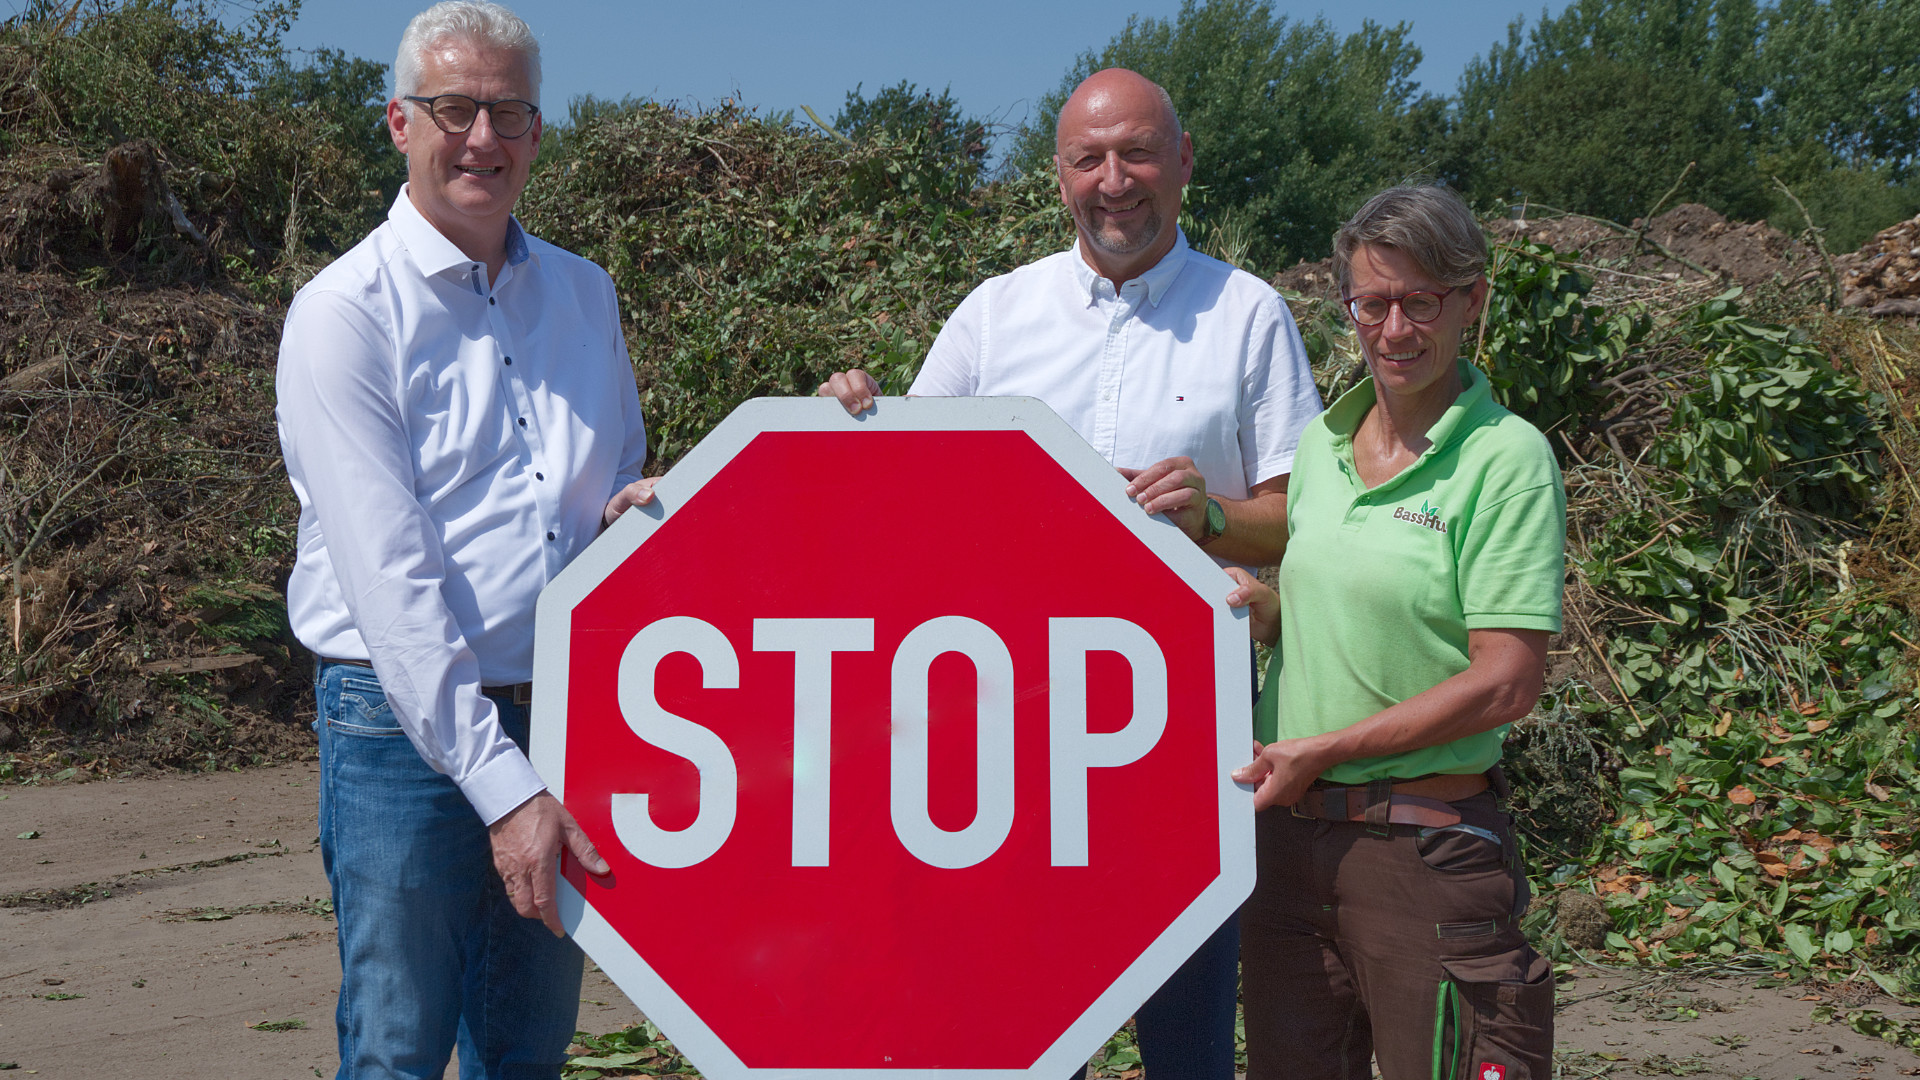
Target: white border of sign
<point>553,633</point>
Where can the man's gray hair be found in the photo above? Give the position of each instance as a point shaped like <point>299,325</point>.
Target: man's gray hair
<point>475,22</point>
<point>1430,224</point>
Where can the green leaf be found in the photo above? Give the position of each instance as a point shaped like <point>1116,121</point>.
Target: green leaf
<point>1876,686</point>
<point>1725,875</point>
<point>1799,942</point>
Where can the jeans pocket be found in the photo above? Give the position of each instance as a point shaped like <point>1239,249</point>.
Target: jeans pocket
<point>360,708</point>
<point>1461,849</point>
<point>1493,1019</point>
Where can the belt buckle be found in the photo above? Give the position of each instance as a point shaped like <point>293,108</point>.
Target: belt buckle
<point>523,693</point>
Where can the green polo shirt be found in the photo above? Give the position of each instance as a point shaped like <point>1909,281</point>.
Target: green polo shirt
<point>1380,586</point>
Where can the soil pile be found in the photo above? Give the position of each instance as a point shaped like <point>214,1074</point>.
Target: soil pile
<point>1690,242</point>
<point>1313,280</point>
<point>1751,254</point>
<point>146,525</point>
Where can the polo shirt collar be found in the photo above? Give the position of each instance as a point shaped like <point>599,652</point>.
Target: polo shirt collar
<point>432,252</point>
<point>1476,394</point>
<point>1157,278</point>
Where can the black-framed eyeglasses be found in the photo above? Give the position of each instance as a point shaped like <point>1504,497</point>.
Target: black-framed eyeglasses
<point>455,113</point>
<point>1420,307</point>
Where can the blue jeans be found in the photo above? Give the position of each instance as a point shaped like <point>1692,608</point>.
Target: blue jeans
<point>431,950</point>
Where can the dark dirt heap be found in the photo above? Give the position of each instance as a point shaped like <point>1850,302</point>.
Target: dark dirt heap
<point>1687,243</point>
<point>146,526</point>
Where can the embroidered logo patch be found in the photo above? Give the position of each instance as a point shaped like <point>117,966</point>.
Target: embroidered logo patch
<point>1490,1071</point>
<point>1428,516</point>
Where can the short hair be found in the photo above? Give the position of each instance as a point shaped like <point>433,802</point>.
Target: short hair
<point>1430,224</point>
<point>477,22</point>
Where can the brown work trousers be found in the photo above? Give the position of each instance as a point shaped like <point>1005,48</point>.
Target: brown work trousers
<point>1401,944</point>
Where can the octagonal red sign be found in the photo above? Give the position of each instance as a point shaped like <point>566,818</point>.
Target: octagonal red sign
<point>907,737</point>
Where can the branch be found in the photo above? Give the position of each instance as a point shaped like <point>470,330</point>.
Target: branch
<point>822,125</point>
<point>1648,216</point>
<point>1665,251</point>
<point>1833,272</point>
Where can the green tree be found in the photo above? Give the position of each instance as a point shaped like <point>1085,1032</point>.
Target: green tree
<point>1844,74</point>
<point>269,155</point>
<point>1293,125</point>
<point>1601,108</point>
<point>1840,118</point>
<point>904,112</point>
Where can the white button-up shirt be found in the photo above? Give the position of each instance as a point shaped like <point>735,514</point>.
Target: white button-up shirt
<point>453,444</point>
<point>1192,358</point>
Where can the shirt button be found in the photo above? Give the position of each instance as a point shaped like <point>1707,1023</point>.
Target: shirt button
<point>491,300</point>
<point>550,536</point>
<point>539,476</point>
<point>523,421</point>
<point>509,361</point>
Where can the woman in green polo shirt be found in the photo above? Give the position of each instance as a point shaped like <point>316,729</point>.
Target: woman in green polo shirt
<point>1422,576</point>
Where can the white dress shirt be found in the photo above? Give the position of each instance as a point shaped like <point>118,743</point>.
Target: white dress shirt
<point>453,444</point>
<point>1192,358</point>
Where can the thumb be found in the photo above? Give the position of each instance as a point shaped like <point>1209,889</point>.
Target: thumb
<point>584,851</point>
<point>1268,793</point>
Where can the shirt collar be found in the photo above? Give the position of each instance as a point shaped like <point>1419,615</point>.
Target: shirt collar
<point>1157,278</point>
<point>1344,415</point>
<point>432,252</point>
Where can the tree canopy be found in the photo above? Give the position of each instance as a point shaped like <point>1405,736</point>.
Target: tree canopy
<point>1291,122</point>
<point>1600,109</point>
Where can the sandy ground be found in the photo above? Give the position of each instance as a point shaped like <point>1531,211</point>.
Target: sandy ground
<point>204,921</point>
<point>201,918</point>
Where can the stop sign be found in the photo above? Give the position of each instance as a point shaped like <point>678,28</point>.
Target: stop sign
<point>907,737</point>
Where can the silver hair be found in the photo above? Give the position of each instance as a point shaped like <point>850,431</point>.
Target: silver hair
<point>1431,224</point>
<point>476,22</point>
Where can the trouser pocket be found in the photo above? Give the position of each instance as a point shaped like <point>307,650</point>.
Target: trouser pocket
<point>1493,1019</point>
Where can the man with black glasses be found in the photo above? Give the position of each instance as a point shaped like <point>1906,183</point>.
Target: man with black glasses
<point>459,420</point>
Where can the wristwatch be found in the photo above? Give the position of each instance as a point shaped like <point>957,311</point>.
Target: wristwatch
<point>1215,523</point>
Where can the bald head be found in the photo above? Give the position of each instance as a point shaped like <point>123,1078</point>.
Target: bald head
<point>1114,92</point>
<point>1122,161</point>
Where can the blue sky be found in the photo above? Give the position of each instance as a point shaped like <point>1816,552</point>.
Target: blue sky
<point>997,55</point>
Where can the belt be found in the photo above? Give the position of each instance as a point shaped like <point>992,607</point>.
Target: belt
<point>518,693</point>
<point>1402,802</point>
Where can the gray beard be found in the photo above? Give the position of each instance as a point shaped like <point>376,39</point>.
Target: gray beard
<point>1127,245</point>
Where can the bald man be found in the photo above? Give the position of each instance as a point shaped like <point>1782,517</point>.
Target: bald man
<point>1185,373</point>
